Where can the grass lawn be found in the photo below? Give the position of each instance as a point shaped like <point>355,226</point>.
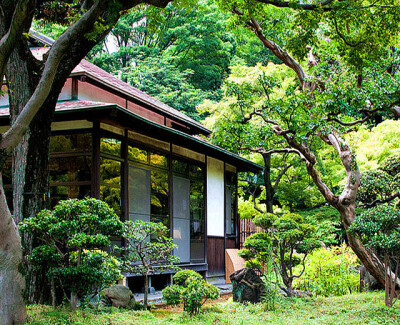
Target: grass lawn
<point>360,308</point>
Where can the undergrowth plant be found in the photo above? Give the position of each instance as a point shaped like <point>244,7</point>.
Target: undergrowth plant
<point>330,272</point>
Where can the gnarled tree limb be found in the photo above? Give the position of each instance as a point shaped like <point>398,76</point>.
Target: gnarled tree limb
<point>8,41</point>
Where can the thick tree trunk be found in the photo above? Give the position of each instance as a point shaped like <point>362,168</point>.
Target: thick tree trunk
<point>30,181</point>
<point>371,262</point>
<point>12,283</point>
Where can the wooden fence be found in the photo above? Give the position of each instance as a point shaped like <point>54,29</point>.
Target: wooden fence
<point>247,228</point>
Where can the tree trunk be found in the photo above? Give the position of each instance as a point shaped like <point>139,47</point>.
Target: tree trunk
<point>74,300</point>
<point>53,292</point>
<point>371,262</point>
<point>30,181</point>
<point>269,189</point>
<point>12,284</point>
<point>146,291</point>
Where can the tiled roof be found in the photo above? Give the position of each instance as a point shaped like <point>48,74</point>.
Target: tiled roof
<point>91,70</point>
<point>88,69</point>
<point>67,105</point>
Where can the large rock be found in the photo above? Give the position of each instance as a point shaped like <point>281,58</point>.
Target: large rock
<point>247,286</point>
<point>118,295</point>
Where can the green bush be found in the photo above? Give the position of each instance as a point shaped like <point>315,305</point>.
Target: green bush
<point>378,229</point>
<point>190,289</point>
<point>330,272</point>
<point>284,236</point>
<point>74,238</point>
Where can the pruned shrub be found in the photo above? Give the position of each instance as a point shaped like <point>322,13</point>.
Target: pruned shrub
<point>190,289</point>
<point>74,237</point>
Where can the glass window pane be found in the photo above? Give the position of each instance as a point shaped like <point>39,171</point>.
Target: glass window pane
<point>110,171</point>
<point>230,203</point>
<point>138,154</point>
<point>196,171</point>
<point>139,194</point>
<point>181,208</point>
<point>112,196</point>
<point>71,143</point>
<point>179,166</point>
<point>158,159</point>
<point>197,205</point>
<point>70,169</point>
<point>110,146</point>
<point>197,231</point>
<point>159,194</point>
<point>58,193</point>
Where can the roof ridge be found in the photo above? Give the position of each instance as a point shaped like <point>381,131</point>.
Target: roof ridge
<point>120,85</point>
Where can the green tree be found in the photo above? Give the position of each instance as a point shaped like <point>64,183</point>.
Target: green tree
<point>148,250</point>
<point>33,87</point>
<point>349,79</point>
<point>378,228</point>
<point>285,237</point>
<point>179,55</point>
<point>74,235</point>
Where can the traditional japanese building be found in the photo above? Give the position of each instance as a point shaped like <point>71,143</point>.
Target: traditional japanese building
<point>146,160</point>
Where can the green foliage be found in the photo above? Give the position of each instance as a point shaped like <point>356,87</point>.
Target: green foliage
<point>284,236</point>
<point>74,235</point>
<point>246,209</point>
<point>162,52</point>
<point>330,272</point>
<point>391,165</point>
<point>190,289</point>
<point>378,228</point>
<point>148,248</point>
<point>374,184</point>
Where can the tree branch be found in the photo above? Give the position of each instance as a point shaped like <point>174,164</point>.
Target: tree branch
<point>310,161</point>
<point>56,54</point>
<point>379,201</point>
<point>10,39</point>
<point>279,53</point>
<point>281,173</point>
<point>288,4</point>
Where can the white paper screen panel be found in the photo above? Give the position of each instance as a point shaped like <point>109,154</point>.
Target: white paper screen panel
<point>215,197</point>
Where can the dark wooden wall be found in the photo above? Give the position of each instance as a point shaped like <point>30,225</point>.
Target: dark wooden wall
<point>231,243</point>
<point>216,256</point>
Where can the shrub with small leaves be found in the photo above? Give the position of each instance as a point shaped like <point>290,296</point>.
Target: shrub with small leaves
<point>74,236</point>
<point>374,184</point>
<point>284,236</point>
<point>190,289</point>
<point>391,165</point>
<point>378,228</point>
<point>148,250</point>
